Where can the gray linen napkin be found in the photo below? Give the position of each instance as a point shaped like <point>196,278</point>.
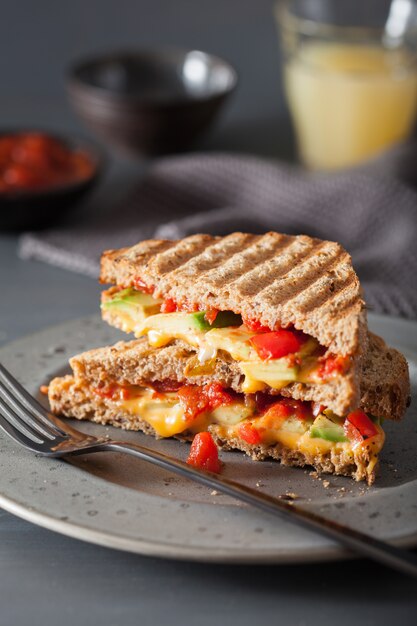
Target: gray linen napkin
<point>371,211</point>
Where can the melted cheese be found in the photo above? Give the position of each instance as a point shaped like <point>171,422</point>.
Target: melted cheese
<point>258,374</point>
<point>162,412</point>
<point>166,415</point>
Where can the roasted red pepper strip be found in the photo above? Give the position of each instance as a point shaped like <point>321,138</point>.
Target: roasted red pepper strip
<point>277,344</point>
<point>195,399</point>
<point>360,421</point>
<point>204,453</point>
<point>333,365</point>
<point>211,315</point>
<point>165,386</point>
<point>115,392</point>
<point>317,408</point>
<point>168,306</point>
<point>140,285</point>
<point>254,325</point>
<point>352,433</point>
<point>287,407</point>
<point>249,433</point>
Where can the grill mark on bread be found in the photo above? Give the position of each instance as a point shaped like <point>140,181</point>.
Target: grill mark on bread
<point>284,290</point>
<point>261,250</point>
<point>340,298</point>
<point>180,253</point>
<point>324,292</point>
<point>124,260</point>
<point>140,253</point>
<point>209,259</point>
<point>248,285</point>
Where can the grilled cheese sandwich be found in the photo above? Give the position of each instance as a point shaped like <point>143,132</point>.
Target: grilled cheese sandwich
<point>261,340</point>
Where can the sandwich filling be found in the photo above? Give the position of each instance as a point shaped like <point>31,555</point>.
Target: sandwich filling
<point>266,358</point>
<point>256,420</point>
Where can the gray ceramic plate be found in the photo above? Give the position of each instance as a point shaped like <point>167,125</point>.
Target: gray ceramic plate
<point>123,503</point>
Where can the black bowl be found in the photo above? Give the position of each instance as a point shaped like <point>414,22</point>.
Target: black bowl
<point>150,102</point>
<point>36,209</point>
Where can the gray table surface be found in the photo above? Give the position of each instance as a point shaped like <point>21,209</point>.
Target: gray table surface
<point>46,578</point>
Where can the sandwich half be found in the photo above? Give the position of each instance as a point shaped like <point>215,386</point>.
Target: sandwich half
<point>138,387</point>
<point>260,339</point>
<point>287,311</point>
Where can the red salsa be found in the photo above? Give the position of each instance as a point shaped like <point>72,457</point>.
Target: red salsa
<point>36,161</point>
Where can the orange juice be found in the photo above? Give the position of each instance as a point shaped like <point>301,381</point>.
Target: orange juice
<point>349,101</point>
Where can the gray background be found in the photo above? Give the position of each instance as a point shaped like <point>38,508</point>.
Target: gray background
<point>46,578</point>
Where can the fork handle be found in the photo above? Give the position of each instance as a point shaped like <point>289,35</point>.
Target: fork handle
<point>359,542</point>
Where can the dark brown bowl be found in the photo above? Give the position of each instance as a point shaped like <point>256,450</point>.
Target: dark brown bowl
<point>36,209</point>
<point>150,102</point>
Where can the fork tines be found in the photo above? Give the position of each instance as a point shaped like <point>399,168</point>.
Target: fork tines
<point>21,411</point>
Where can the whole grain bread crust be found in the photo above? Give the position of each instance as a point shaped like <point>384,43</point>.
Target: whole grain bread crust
<point>278,279</point>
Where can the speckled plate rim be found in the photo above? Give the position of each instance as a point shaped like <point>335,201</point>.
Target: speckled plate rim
<point>175,551</point>
<point>407,336</point>
<point>179,551</point>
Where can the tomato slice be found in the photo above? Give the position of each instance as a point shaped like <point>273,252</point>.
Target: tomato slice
<point>249,433</point>
<point>277,344</point>
<point>204,453</point>
<point>359,420</point>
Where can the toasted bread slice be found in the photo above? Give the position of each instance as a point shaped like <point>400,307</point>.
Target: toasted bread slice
<point>385,387</point>
<point>278,279</point>
<point>385,383</point>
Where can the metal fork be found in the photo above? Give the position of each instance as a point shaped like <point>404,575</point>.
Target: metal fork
<point>28,423</point>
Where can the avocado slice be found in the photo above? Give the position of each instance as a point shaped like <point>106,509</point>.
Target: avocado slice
<point>199,320</point>
<point>231,414</point>
<point>176,323</point>
<point>139,305</point>
<point>324,428</point>
<point>271,371</point>
<point>223,320</point>
<point>294,425</point>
